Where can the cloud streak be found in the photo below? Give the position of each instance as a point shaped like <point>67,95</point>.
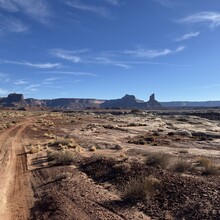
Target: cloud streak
<point>210,18</point>
<point>76,4</point>
<point>113,2</point>
<point>38,10</point>
<point>114,58</point>
<point>153,53</point>
<point>66,55</point>
<point>32,88</point>
<point>188,36</point>
<point>35,65</point>
<point>20,82</point>
<point>11,24</point>
<point>166,3</point>
<point>72,73</point>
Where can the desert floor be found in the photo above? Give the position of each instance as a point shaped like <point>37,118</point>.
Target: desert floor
<point>108,165</point>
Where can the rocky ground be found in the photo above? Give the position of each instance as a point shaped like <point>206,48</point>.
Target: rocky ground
<point>109,165</point>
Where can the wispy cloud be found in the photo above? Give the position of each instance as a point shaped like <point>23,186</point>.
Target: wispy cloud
<point>50,81</point>
<point>35,65</point>
<point>155,63</point>
<point>37,10</point>
<point>86,56</point>
<point>32,88</point>
<point>76,4</point>
<point>113,2</point>
<point>10,24</point>
<point>153,53</point>
<point>167,3</point>
<point>122,59</point>
<point>72,73</point>
<point>188,36</point>
<point>104,60</point>
<point>8,5</point>
<point>20,82</point>
<point>66,55</point>
<point>210,18</point>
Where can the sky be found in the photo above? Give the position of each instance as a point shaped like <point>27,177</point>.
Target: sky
<point>105,49</point>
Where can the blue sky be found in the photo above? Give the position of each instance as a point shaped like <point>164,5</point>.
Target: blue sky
<point>108,48</point>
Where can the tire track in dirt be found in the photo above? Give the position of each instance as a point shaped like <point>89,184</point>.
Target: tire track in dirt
<point>78,198</point>
<point>15,190</point>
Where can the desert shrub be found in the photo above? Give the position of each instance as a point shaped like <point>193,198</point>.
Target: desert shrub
<point>118,147</point>
<point>210,170</point>
<point>93,148</point>
<point>122,167</point>
<point>204,161</point>
<point>108,126</point>
<point>69,143</point>
<point>181,166</point>
<point>158,160</point>
<point>132,124</point>
<point>64,176</point>
<point>149,139</point>
<point>62,158</point>
<point>138,188</point>
<point>34,150</point>
<point>183,151</point>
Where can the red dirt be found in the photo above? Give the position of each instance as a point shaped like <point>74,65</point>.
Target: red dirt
<point>15,190</point>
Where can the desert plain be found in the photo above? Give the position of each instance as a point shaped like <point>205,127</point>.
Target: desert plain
<point>109,164</point>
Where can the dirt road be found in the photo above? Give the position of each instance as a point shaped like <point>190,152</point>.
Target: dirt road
<point>76,199</point>
<point>15,190</point>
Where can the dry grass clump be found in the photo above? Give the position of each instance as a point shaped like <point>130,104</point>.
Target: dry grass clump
<point>64,176</point>
<point>181,166</point>
<point>208,168</point>
<point>138,188</point>
<point>183,151</point>
<point>51,136</point>
<point>63,144</point>
<point>62,158</point>
<point>93,148</point>
<point>204,161</point>
<point>122,167</point>
<point>45,122</point>
<point>118,147</point>
<point>34,150</point>
<point>160,159</point>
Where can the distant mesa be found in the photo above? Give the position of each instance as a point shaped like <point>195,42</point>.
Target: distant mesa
<point>17,101</point>
<point>153,102</point>
<point>131,102</point>
<point>13,100</point>
<point>127,102</point>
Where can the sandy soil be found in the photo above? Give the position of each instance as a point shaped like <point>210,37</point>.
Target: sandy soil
<point>15,189</point>
<point>33,187</point>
